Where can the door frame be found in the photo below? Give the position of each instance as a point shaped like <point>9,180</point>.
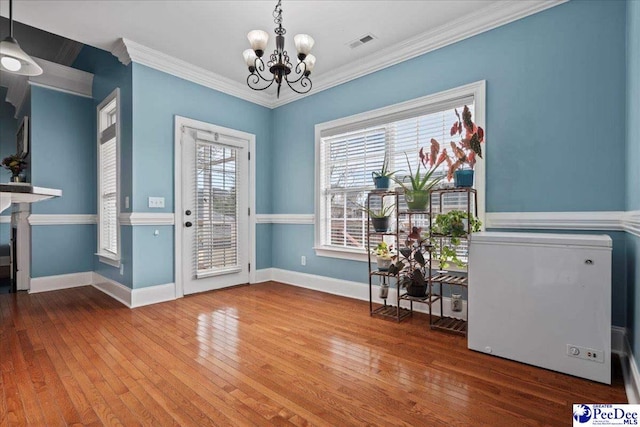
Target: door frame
<point>179,122</point>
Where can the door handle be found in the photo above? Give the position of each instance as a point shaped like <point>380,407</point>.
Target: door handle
<point>188,224</point>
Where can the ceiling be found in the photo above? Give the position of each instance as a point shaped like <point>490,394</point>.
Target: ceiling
<point>212,34</point>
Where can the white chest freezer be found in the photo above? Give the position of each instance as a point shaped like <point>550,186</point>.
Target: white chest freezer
<point>542,299</point>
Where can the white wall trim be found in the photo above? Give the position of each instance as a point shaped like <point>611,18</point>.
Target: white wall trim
<point>496,15</point>
<point>63,78</point>
<point>147,218</point>
<point>62,281</point>
<point>62,219</point>
<point>555,220</point>
<point>631,222</point>
<point>285,218</point>
<point>630,373</point>
<point>129,51</point>
<point>114,289</point>
<point>5,219</point>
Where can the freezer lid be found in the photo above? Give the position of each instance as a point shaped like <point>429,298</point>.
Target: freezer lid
<point>600,240</point>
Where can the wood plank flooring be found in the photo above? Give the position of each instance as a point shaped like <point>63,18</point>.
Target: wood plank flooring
<point>263,355</point>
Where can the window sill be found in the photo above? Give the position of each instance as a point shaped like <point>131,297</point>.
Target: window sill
<point>109,259</point>
<point>350,254</point>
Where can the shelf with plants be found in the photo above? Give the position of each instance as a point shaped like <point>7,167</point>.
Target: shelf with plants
<point>453,215</point>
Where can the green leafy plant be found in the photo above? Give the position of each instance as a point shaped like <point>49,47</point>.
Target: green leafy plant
<point>418,182</point>
<point>447,230</point>
<point>383,250</point>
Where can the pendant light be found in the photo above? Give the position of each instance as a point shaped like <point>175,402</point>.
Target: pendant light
<point>12,58</point>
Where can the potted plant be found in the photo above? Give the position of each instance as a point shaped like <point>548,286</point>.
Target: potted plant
<point>447,230</point>
<point>416,191</point>
<point>16,163</point>
<point>379,217</point>
<point>412,269</point>
<point>384,255</point>
<point>382,178</point>
<point>462,159</point>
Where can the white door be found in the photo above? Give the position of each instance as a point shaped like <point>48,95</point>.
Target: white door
<point>215,209</point>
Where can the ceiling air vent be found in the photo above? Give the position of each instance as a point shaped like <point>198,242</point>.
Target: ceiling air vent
<point>360,41</point>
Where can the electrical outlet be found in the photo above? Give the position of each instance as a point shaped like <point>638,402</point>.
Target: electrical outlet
<point>585,353</point>
<point>156,202</point>
<point>303,260</point>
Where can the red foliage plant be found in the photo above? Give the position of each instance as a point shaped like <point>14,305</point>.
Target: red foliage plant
<point>463,152</point>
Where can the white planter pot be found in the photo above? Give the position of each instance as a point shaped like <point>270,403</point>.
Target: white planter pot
<point>383,263</point>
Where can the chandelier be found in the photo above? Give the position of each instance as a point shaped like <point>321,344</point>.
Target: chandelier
<point>279,65</point>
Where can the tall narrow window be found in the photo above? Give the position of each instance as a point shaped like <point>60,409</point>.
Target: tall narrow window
<point>109,179</point>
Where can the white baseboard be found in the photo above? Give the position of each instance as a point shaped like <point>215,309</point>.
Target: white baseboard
<point>263,275</point>
<point>630,371</point>
<point>133,298</point>
<point>153,295</point>
<point>619,340</point>
<point>349,289</point>
<point>62,281</point>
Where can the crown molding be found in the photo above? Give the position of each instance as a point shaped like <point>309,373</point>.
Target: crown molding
<point>603,220</point>
<point>146,218</point>
<point>64,79</point>
<point>497,14</point>
<point>128,51</point>
<point>55,76</point>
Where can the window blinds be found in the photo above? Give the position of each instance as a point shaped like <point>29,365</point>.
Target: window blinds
<point>350,153</point>
<point>108,193</point>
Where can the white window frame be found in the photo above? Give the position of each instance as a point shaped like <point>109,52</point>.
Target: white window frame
<point>105,257</point>
<point>386,115</point>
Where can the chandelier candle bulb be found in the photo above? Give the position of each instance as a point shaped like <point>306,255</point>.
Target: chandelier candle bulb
<point>304,43</point>
<point>258,40</point>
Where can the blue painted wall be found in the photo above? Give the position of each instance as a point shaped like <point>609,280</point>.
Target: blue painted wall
<point>633,170</point>
<point>555,103</point>
<point>110,74</point>
<point>157,98</point>
<point>63,156</point>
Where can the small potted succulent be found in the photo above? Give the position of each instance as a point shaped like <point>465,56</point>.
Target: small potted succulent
<point>379,217</point>
<point>384,255</point>
<point>382,178</point>
<point>462,158</point>
<point>16,163</point>
<point>416,191</point>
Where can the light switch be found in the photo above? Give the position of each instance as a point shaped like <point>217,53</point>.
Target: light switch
<point>156,202</point>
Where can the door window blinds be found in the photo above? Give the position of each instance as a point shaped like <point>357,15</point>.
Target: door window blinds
<point>108,178</point>
<point>216,245</point>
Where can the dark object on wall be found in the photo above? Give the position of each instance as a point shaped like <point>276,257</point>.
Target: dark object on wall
<point>22,137</point>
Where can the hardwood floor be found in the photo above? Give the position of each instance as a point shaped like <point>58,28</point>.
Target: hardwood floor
<point>267,354</point>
